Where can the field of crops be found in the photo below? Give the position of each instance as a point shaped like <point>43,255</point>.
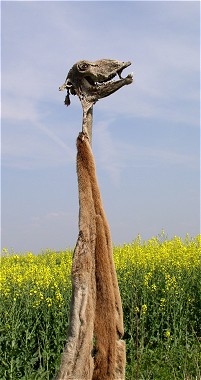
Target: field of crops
<point>160,285</point>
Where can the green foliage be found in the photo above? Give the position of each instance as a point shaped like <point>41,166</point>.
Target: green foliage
<point>160,286</point>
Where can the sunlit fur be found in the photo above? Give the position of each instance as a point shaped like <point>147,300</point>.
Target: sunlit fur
<point>94,349</point>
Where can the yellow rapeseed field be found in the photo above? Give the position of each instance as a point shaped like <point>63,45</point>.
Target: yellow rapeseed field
<point>36,273</point>
<point>160,285</point>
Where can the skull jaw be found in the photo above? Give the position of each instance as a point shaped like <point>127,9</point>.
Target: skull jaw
<point>89,95</point>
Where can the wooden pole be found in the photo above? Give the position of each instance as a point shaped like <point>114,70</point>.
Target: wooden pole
<point>87,122</point>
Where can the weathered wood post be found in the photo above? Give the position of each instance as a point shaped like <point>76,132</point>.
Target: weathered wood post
<point>94,349</point>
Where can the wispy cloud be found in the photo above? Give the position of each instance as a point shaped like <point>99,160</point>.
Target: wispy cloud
<point>35,146</point>
<point>165,65</point>
<point>115,155</point>
<point>159,111</point>
<point>38,221</point>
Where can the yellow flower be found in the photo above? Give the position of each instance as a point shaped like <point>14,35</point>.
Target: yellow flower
<point>162,302</point>
<point>167,333</point>
<point>144,309</point>
<point>49,301</point>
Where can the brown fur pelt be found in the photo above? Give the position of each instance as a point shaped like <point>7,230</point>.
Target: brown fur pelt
<point>93,350</point>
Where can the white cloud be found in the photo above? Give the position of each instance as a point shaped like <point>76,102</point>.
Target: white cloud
<point>114,155</point>
<point>28,147</point>
<point>40,42</point>
<point>165,69</point>
<point>165,64</point>
<point>50,217</point>
<point>18,109</point>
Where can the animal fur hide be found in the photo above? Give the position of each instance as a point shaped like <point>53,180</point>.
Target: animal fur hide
<point>94,350</point>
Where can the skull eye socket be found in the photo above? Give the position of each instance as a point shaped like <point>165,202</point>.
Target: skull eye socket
<point>68,83</point>
<point>83,66</point>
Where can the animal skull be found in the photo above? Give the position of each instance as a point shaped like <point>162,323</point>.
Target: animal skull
<point>91,81</point>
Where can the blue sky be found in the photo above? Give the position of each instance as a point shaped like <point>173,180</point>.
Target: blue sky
<point>145,136</point>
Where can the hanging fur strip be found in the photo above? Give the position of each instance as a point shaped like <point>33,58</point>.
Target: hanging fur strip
<point>94,350</point>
